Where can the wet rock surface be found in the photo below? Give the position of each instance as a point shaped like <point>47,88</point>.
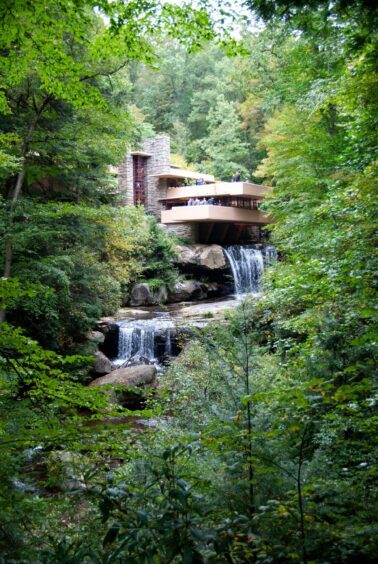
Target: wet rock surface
<point>109,328</point>
<point>142,294</point>
<point>96,337</point>
<point>188,290</point>
<point>138,381</point>
<point>134,376</point>
<point>207,257</point>
<point>101,364</point>
<point>136,360</point>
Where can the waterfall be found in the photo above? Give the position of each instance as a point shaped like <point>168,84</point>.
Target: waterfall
<point>137,338</point>
<point>247,265</point>
<point>168,343</point>
<point>135,341</point>
<point>125,342</point>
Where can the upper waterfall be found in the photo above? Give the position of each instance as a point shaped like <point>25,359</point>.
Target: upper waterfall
<point>247,265</point>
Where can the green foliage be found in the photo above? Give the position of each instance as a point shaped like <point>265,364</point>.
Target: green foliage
<point>40,403</point>
<point>79,263</point>
<point>194,98</point>
<point>223,147</point>
<point>264,447</point>
<point>158,255</point>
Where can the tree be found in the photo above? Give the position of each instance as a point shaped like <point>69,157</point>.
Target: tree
<point>223,146</point>
<point>182,98</point>
<point>360,15</point>
<point>58,66</point>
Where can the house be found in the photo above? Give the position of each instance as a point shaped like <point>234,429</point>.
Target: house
<point>226,212</point>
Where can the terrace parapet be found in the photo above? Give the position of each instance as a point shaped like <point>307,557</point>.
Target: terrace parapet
<point>207,213</point>
<point>217,189</point>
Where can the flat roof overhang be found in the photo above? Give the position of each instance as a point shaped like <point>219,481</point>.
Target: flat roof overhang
<point>236,189</point>
<point>181,174</point>
<point>222,214</point>
<point>140,154</point>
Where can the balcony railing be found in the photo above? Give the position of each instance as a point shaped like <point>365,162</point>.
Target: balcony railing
<point>210,213</point>
<point>232,202</point>
<point>218,189</point>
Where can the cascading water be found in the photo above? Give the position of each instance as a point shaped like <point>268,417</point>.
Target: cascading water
<point>137,338</point>
<point>154,337</point>
<point>135,341</point>
<point>168,343</point>
<point>247,265</point>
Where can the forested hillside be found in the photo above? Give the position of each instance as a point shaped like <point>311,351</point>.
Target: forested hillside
<point>263,443</point>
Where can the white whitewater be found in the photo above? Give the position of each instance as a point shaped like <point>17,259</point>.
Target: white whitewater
<point>137,338</point>
<point>247,266</point>
<point>153,337</point>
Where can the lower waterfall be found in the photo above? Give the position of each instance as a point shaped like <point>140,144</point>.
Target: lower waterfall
<point>137,338</point>
<point>247,265</point>
<point>134,341</point>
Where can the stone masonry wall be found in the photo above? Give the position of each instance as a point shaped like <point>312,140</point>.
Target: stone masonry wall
<point>125,180</point>
<point>160,149</point>
<point>187,231</point>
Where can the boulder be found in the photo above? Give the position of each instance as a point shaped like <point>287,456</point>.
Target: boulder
<point>110,329</point>
<point>159,296</point>
<point>215,289</point>
<point>141,294</point>
<point>207,257</point>
<point>106,325</point>
<point>101,364</point>
<point>96,337</point>
<point>187,291</point>
<point>134,376</point>
<point>140,378</point>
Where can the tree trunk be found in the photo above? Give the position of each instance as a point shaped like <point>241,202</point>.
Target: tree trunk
<point>300,498</point>
<point>8,240</point>
<point>16,194</point>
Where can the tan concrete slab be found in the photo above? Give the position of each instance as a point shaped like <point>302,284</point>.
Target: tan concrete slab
<point>246,189</point>
<point>222,214</point>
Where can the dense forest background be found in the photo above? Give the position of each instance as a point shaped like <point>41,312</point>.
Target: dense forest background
<point>266,445</point>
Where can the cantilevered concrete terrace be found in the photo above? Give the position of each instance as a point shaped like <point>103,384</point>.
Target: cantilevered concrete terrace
<point>219,211</point>
<point>225,214</point>
<point>206,211</point>
<point>235,202</point>
<point>217,189</point>
<point>176,173</point>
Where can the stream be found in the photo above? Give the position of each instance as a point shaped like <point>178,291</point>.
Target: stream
<point>151,334</point>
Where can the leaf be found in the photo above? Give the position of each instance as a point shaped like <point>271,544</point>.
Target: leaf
<point>112,534</point>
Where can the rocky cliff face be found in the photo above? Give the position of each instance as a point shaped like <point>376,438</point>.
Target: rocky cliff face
<point>201,257</point>
<point>205,272</point>
<point>142,294</point>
